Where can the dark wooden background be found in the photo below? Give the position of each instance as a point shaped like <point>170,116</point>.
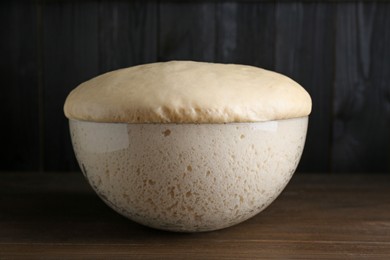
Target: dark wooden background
<point>339,51</point>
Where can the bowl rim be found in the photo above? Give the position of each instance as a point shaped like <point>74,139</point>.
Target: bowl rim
<point>185,123</point>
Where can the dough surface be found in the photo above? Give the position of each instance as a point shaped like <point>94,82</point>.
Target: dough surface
<point>188,92</point>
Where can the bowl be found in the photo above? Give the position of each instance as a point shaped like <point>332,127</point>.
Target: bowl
<point>189,177</point>
<point>188,146</point>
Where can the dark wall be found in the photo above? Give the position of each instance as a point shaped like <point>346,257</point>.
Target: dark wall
<point>339,51</point>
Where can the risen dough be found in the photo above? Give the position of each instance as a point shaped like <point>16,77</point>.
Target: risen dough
<point>188,92</point>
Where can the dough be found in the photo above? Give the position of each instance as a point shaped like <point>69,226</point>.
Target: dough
<point>188,92</point>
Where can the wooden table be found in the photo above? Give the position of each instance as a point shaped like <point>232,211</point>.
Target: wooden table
<point>57,215</point>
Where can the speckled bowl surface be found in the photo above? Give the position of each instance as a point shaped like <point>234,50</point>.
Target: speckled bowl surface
<point>189,177</point>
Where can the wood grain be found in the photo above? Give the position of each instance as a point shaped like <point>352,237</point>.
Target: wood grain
<point>246,33</point>
<point>318,216</point>
<point>187,31</point>
<point>361,91</point>
<point>127,34</point>
<point>19,98</point>
<point>70,57</point>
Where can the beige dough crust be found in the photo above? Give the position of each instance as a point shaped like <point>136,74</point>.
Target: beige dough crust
<point>188,92</point>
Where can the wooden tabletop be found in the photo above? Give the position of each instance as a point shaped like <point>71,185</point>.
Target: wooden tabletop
<point>57,215</point>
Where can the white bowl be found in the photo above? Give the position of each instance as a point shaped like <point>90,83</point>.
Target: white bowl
<point>189,177</point>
